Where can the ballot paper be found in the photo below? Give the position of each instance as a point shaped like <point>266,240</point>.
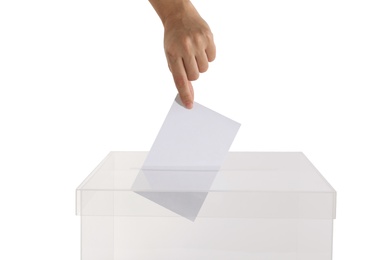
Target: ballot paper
<point>185,158</point>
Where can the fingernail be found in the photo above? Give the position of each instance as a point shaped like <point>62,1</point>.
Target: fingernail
<point>188,104</point>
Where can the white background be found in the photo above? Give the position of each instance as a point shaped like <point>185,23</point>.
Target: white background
<point>81,78</point>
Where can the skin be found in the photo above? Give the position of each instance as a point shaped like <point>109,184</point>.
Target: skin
<point>188,43</point>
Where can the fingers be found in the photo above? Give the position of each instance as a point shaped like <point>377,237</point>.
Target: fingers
<point>184,87</point>
<point>195,65</point>
<point>185,70</point>
<point>191,67</point>
<point>202,62</point>
<point>211,51</point>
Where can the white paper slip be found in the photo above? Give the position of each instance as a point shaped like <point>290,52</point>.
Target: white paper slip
<point>195,139</point>
<point>185,158</point>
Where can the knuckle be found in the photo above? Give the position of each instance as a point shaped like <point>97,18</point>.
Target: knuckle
<point>193,76</point>
<point>209,35</point>
<point>185,96</point>
<point>203,68</point>
<point>198,38</point>
<point>186,44</point>
<point>171,54</point>
<point>211,55</point>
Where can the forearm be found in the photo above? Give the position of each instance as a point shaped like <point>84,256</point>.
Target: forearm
<point>169,8</point>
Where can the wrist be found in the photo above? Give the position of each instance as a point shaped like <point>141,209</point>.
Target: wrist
<point>169,10</point>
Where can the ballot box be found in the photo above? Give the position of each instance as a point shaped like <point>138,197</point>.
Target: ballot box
<point>259,206</point>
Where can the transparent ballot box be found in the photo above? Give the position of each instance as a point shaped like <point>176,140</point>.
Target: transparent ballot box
<point>258,206</point>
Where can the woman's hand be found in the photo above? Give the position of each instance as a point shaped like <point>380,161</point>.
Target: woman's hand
<point>188,44</point>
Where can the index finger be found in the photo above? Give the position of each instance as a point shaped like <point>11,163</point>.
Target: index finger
<point>181,82</point>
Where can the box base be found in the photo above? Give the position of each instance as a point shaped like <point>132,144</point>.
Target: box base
<point>171,238</point>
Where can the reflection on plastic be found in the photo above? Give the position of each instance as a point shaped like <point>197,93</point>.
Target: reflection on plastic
<point>182,192</point>
<point>185,158</point>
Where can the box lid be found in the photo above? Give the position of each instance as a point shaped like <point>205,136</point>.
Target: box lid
<point>248,185</point>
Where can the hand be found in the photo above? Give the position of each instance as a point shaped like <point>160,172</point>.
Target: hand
<point>189,47</point>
